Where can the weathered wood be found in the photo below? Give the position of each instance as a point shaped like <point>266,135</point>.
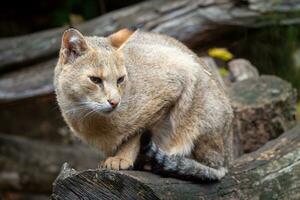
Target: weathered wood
<point>31,166</point>
<point>189,21</point>
<point>272,172</point>
<point>264,108</point>
<point>37,118</point>
<point>36,80</point>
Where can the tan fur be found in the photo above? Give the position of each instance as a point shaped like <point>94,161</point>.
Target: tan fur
<point>167,90</point>
<point>120,37</point>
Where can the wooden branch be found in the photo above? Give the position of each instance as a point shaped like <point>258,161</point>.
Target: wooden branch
<point>31,166</point>
<point>189,21</point>
<point>272,172</point>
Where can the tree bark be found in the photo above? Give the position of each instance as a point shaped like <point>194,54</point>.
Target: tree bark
<point>189,21</point>
<point>31,166</point>
<point>272,172</point>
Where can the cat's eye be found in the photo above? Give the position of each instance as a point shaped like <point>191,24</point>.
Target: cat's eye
<point>96,80</point>
<point>120,80</point>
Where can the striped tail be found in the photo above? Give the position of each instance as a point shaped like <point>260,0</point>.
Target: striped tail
<point>180,167</point>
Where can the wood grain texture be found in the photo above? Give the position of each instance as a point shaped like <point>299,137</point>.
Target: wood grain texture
<point>272,172</point>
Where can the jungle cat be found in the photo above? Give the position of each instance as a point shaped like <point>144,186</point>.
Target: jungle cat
<point>112,89</point>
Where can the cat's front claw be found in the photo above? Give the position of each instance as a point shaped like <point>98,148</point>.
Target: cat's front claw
<point>116,163</point>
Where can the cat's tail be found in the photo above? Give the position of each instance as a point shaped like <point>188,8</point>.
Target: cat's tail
<point>180,167</point>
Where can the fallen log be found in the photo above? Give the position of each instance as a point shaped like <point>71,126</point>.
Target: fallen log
<point>31,166</point>
<point>272,172</point>
<point>189,21</point>
<point>36,80</point>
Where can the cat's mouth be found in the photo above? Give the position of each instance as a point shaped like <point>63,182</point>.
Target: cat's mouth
<point>109,109</point>
<point>95,107</point>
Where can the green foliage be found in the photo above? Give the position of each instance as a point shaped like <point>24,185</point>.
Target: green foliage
<point>223,71</point>
<point>272,50</point>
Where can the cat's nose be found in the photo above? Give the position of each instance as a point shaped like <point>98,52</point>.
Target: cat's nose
<point>113,102</point>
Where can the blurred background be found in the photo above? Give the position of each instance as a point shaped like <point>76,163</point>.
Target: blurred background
<point>240,39</point>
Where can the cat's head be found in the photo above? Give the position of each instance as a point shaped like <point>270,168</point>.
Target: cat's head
<point>90,72</point>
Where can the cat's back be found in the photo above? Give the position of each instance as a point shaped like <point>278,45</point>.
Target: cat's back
<point>152,53</point>
<point>149,44</point>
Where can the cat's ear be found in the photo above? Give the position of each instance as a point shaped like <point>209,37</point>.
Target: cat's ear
<point>73,45</point>
<point>118,39</point>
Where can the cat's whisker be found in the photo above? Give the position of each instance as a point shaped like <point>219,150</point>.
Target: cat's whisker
<point>78,108</point>
<point>97,107</point>
<point>93,110</point>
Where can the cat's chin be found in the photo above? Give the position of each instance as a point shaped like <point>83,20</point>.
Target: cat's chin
<point>107,112</point>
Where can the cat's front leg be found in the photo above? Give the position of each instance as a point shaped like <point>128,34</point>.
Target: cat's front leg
<point>125,156</point>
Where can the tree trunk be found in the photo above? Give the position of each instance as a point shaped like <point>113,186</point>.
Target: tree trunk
<point>189,21</point>
<point>272,172</point>
<point>31,166</point>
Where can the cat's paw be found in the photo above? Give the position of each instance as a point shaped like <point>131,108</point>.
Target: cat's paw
<point>116,163</point>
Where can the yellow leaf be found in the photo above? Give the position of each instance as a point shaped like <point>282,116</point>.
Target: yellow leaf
<point>220,53</point>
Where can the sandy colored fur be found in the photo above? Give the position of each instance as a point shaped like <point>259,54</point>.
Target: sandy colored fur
<point>168,90</point>
<point>119,38</point>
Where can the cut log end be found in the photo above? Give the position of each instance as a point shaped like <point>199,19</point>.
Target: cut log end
<point>100,184</point>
